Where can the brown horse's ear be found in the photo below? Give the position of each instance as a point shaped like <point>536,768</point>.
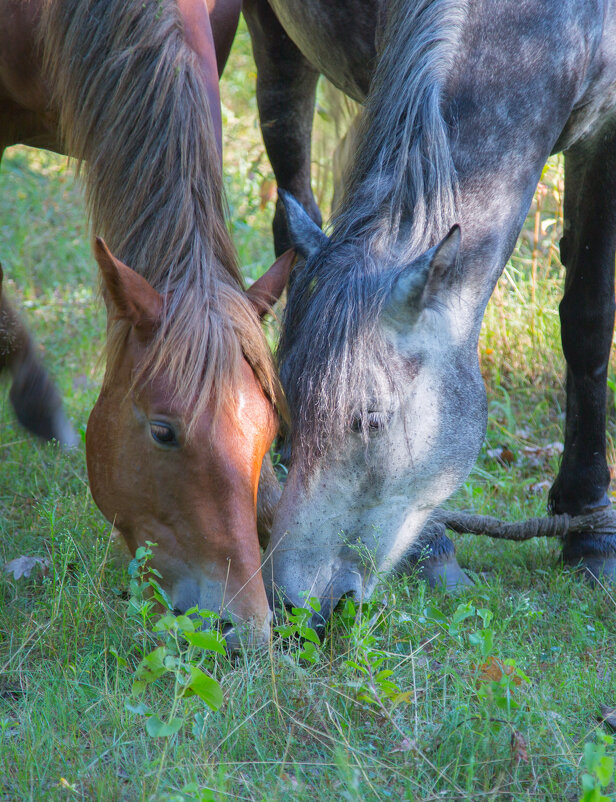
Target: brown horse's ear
<point>267,289</point>
<point>127,294</point>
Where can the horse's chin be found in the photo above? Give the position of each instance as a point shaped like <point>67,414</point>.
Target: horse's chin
<point>243,636</point>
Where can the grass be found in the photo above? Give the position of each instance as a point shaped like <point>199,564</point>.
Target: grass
<point>289,729</point>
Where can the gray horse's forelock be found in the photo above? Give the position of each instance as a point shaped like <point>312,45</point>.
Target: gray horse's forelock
<point>337,366</point>
<point>399,199</point>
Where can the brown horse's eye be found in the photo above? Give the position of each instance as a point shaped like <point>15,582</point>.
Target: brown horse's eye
<point>163,433</point>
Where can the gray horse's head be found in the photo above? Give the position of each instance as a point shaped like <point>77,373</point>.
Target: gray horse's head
<point>387,408</point>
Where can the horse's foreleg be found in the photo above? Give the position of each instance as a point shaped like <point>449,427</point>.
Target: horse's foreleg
<point>286,86</point>
<point>588,250</point>
<point>34,397</point>
<point>224,18</point>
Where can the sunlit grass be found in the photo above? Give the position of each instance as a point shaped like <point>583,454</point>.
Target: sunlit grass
<point>286,731</point>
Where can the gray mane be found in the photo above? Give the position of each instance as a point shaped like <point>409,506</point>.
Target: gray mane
<point>403,173</point>
<point>399,199</point>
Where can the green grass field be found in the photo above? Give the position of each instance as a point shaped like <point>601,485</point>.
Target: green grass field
<point>453,721</point>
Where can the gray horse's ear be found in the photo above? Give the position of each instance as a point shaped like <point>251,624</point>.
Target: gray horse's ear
<point>422,279</point>
<point>306,236</point>
<point>444,261</point>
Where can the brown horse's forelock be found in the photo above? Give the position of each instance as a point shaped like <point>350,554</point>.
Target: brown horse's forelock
<point>133,107</point>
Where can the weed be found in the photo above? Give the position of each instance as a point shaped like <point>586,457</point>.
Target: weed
<point>599,770</point>
<point>298,627</point>
<point>186,651</point>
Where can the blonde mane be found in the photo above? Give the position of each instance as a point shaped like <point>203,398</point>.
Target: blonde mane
<point>133,107</point>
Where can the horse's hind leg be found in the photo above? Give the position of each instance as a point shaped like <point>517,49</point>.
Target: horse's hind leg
<point>588,251</point>
<point>286,86</point>
<point>33,395</point>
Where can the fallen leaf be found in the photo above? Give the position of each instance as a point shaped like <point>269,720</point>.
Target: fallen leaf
<point>267,192</point>
<point>519,751</point>
<point>503,455</point>
<point>405,745</point>
<point>608,716</point>
<point>493,670</point>
<point>22,566</point>
<point>539,488</point>
<point>290,781</point>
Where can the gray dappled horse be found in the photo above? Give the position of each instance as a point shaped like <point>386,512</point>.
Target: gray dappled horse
<point>379,349</point>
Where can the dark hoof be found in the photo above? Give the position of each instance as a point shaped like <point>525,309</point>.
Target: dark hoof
<point>597,569</point>
<point>433,559</point>
<point>443,573</point>
<point>593,555</point>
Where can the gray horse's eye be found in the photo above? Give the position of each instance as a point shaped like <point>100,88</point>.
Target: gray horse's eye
<point>163,433</point>
<point>375,422</point>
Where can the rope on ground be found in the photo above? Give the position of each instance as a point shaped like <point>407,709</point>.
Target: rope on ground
<point>602,522</point>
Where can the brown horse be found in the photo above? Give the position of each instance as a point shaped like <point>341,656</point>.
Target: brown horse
<point>186,413</point>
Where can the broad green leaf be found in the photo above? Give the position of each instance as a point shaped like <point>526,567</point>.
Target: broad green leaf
<point>434,614</point>
<point>139,709</point>
<point>150,669</point>
<point>206,688</point>
<point>133,567</point>
<point>506,702</point>
<point>314,603</point>
<point>309,634</point>
<point>383,674</point>
<point>165,623</point>
<point>309,652</point>
<point>605,770</point>
<point>485,615</point>
<point>160,594</point>
<point>348,611</point>
<point>207,640</point>
<point>160,729</point>
<point>121,661</point>
<point>300,614</point>
<point>286,630</point>
<point>356,666</point>
<point>184,623</point>
<point>208,614</point>
<point>143,553</point>
<point>199,794</point>
<point>462,612</point>
<point>363,697</point>
<point>592,754</point>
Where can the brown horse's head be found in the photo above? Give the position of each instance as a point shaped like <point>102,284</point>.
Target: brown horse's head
<point>188,484</point>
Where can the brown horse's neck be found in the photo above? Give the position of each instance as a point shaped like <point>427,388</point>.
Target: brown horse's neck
<point>135,94</point>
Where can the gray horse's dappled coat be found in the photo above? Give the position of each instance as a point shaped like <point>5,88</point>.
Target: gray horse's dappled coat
<point>378,355</point>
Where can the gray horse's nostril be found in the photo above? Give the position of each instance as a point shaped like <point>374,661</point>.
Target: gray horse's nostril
<point>345,583</point>
<point>319,620</point>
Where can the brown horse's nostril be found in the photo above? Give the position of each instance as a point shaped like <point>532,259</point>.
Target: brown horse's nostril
<point>224,627</point>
